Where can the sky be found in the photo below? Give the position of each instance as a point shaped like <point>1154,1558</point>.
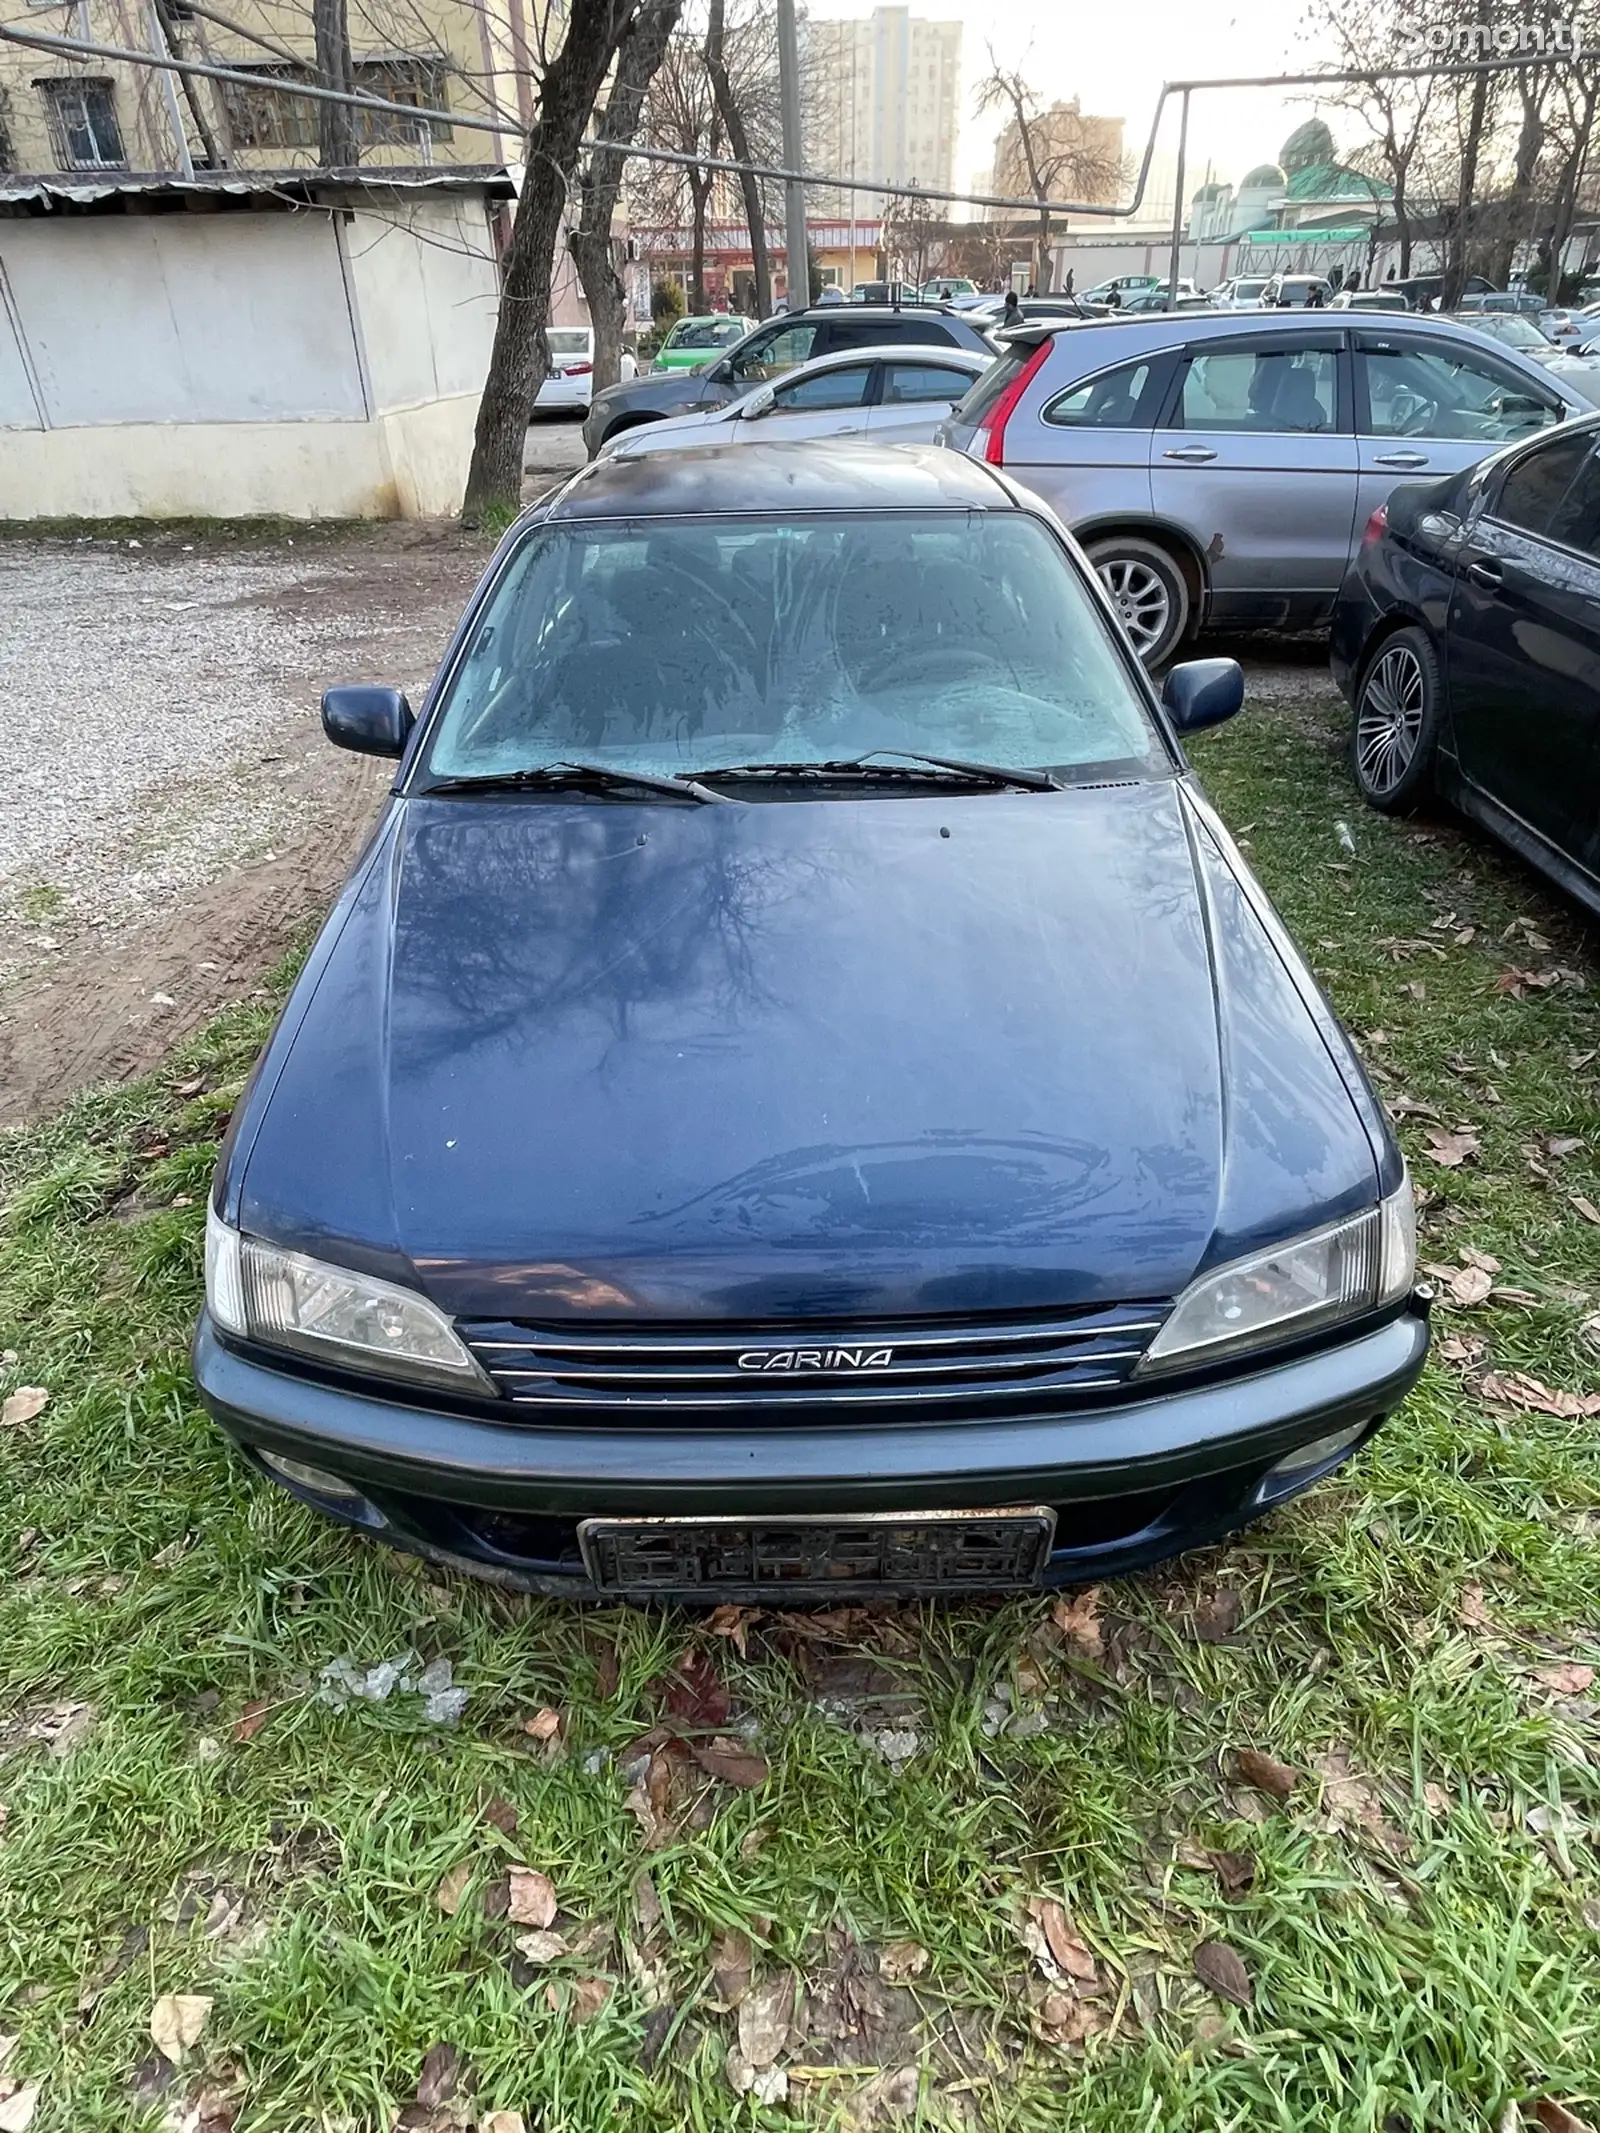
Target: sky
<point>1115,58</point>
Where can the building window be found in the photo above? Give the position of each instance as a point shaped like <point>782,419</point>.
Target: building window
<point>266,118</point>
<point>83,124</point>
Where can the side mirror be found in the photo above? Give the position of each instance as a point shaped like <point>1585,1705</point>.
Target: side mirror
<point>757,404</point>
<point>1203,692</point>
<point>370,721</point>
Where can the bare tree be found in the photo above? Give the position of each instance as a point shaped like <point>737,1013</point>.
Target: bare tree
<point>680,113</point>
<point>520,358</point>
<point>1056,152</point>
<point>731,109</point>
<point>1572,130</point>
<point>1371,37</point>
<point>639,54</point>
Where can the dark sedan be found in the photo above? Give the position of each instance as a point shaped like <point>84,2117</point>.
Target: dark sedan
<point>1467,640</point>
<point>801,1091</point>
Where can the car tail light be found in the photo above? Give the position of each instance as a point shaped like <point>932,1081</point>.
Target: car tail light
<point>579,370</point>
<point>994,423</point>
<point>1376,527</point>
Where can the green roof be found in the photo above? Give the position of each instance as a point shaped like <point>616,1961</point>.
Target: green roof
<point>1263,174</point>
<point>1336,181</point>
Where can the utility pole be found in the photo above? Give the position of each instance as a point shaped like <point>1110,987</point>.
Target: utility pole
<point>1177,204</point>
<point>794,151</point>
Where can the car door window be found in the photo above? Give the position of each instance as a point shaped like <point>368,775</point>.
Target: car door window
<point>1122,399</point>
<point>828,388</point>
<point>1261,389</point>
<point>770,355</point>
<point>905,382</point>
<point>1441,392</point>
<point>1575,521</point>
<point>873,333</point>
<point>1532,493</point>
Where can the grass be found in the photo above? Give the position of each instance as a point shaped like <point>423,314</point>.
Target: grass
<point>1422,1931</point>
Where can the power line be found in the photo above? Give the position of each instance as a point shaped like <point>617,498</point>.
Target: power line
<point>504,122</point>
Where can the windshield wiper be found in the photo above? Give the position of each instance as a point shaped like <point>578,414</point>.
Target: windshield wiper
<point>572,773</point>
<point>863,766</point>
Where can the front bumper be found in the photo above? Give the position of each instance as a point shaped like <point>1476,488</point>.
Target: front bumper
<point>1130,1484</point>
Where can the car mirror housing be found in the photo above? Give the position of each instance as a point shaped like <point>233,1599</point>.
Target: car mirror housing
<point>369,721</point>
<point>757,404</point>
<point>1203,692</point>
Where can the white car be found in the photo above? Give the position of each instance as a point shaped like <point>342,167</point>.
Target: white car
<point>570,385</point>
<point>892,395</point>
<point>1240,292</point>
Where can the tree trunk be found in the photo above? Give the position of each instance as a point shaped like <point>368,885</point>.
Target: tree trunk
<point>520,358</point>
<point>638,56</point>
<point>733,126</point>
<point>1041,279</point>
<point>1569,188</point>
<point>1455,273</point>
<point>700,183</point>
<point>1530,143</point>
<point>215,160</point>
<point>336,132</point>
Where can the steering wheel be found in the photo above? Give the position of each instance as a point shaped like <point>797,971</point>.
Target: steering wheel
<point>1410,415</point>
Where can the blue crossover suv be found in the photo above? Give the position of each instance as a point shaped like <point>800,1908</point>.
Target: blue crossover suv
<point>800,1090</point>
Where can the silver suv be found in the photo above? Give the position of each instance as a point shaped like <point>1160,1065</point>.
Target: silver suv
<point>1219,470</point>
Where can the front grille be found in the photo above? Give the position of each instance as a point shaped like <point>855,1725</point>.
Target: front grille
<point>666,1372</point>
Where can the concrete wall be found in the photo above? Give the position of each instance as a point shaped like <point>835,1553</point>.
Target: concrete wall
<point>309,364</point>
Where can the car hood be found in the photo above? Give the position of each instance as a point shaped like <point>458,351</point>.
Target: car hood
<point>671,392</point>
<point>949,1053</point>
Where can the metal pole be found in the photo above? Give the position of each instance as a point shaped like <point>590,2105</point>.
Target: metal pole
<point>169,86</point>
<point>794,193</point>
<point>1177,203</point>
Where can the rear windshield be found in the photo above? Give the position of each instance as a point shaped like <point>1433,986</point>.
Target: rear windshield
<point>987,387</point>
<point>568,340</point>
<point>1248,288</point>
<point>693,644</point>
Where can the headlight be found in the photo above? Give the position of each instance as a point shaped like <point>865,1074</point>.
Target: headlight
<point>285,1300</point>
<point>1295,1288</point>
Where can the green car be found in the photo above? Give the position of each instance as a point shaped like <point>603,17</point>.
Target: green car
<point>694,342</point>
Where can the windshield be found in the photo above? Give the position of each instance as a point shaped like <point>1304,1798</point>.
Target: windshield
<point>1519,332</point>
<point>708,333</point>
<point>567,340</point>
<point>679,646</point>
<point>1249,289</point>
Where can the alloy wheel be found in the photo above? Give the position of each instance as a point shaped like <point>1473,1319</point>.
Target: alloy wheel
<point>1389,722</point>
<point>1141,598</point>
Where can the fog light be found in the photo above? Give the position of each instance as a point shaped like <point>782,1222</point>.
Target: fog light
<point>1306,1458</point>
<point>314,1478</point>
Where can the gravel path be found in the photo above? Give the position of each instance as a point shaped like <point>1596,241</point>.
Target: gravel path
<point>169,801</point>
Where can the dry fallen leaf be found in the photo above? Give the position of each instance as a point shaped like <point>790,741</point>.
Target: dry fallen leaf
<point>1059,2017</point>
<point>647,1911</point>
<point>731,1761</point>
<point>1235,1871</point>
<point>733,1622</point>
<point>902,1959</point>
<point>1264,1772</point>
<point>697,1695</point>
<point>1216,1617</point>
<point>502,1815</point>
<point>1586,1208</point>
<point>1473,1611</point>
<point>541,1947</point>
<point>1078,1620</point>
<point>251,1719</point>
<point>764,2014</point>
<point>1555,2117</point>
<point>1451,1150</point>
<point>17,2109</point>
<point>589,1995</point>
<point>543,1725</point>
<point>1066,1950</point>
<point>1217,1966</point>
<point>1568,1678</point>
<point>503,2122</point>
<point>1515,1388</point>
<point>453,1887</point>
<point>22,1405</point>
<point>1471,1285</point>
<point>441,2076</point>
<point>1352,1803</point>
<point>533,1898</point>
<point>730,1968</point>
<point>176,2022</point>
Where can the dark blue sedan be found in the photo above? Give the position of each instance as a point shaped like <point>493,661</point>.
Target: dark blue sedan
<point>800,1090</point>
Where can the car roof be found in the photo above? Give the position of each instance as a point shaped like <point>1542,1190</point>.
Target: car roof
<point>898,351</point>
<point>718,480</point>
<point>1135,330</point>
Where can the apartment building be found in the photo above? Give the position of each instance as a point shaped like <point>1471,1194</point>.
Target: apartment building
<point>885,95</point>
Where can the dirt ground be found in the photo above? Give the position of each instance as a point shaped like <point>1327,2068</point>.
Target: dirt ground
<point>171,816</point>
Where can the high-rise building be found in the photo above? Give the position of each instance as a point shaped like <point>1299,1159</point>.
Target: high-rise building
<point>884,95</point>
<point>1078,155</point>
